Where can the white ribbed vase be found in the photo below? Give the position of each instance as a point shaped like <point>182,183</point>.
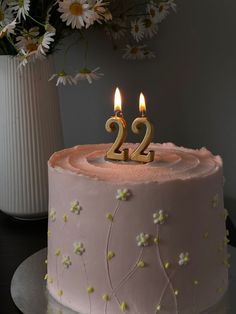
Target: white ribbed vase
<point>30,131</point>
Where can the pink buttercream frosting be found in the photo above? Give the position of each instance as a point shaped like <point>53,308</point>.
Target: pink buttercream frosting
<point>171,163</point>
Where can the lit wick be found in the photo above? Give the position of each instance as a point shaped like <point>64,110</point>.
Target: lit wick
<point>139,153</point>
<point>114,152</point>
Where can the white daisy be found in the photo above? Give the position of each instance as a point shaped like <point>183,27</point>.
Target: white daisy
<point>28,44</point>
<point>22,7</point>
<point>134,52</point>
<point>86,74</point>
<point>76,13</point>
<point>8,29</point>
<point>45,42</point>
<point>63,78</point>
<point>137,29</point>
<point>100,11</point>
<point>164,10</point>
<point>150,27</point>
<point>123,194</point>
<point>153,11</point>
<point>6,15</point>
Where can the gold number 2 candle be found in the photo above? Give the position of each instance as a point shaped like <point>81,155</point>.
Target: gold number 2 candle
<point>114,153</point>
<point>139,153</point>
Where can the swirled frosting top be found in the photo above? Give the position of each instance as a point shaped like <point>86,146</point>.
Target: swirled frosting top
<point>171,163</point>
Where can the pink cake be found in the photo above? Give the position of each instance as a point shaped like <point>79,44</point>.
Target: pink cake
<point>126,237</point>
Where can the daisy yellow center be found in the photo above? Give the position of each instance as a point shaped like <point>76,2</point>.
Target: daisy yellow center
<point>161,8</point>
<point>1,15</point>
<point>85,71</point>
<point>31,47</point>
<point>147,23</point>
<point>76,9</point>
<point>134,50</point>
<point>136,28</point>
<point>21,3</point>
<point>152,12</point>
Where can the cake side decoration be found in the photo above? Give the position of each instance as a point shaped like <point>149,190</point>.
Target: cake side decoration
<point>52,214</point>
<point>138,239</point>
<point>75,207</point>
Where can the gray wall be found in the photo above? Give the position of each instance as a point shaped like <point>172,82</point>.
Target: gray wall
<point>190,86</point>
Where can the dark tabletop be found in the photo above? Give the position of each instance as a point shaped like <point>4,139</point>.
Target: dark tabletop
<point>20,239</point>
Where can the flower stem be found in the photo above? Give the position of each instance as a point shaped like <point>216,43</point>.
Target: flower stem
<point>33,19</point>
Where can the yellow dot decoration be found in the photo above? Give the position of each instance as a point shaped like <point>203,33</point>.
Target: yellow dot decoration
<point>109,216</point>
<point>110,255</point>
<point>58,252</point>
<point>124,306</point>
<point>90,290</point>
<point>60,293</point>
<point>65,218</point>
<point>167,265</point>
<point>156,240</point>
<point>141,264</point>
<point>49,233</point>
<point>158,307</point>
<point>46,261</point>
<point>46,277</point>
<point>196,282</point>
<point>106,297</point>
<point>176,292</point>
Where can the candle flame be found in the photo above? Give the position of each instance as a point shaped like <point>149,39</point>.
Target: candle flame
<point>118,101</point>
<point>142,104</point>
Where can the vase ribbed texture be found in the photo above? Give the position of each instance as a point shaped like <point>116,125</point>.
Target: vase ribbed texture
<point>30,131</point>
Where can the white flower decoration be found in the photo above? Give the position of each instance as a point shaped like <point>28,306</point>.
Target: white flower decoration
<point>63,78</point>
<point>75,207</point>
<point>52,214</point>
<point>160,217</point>
<point>66,261</point>
<point>123,194</point>
<point>79,248</point>
<point>86,74</point>
<point>76,13</point>
<point>143,239</point>
<point>22,8</point>
<point>184,259</point>
<point>137,29</point>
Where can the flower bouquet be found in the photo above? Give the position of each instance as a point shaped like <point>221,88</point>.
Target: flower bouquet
<point>31,29</point>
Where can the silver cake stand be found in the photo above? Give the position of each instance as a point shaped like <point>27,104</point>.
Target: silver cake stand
<point>29,293</point>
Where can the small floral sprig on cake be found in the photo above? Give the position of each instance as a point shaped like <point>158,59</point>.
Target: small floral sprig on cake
<point>79,248</point>
<point>66,261</point>
<point>143,239</point>
<point>184,259</point>
<point>128,25</point>
<point>215,200</point>
<point>52,214</point>
<point>75,207</point>
<point>160,217</point>
<point>123,194</point>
